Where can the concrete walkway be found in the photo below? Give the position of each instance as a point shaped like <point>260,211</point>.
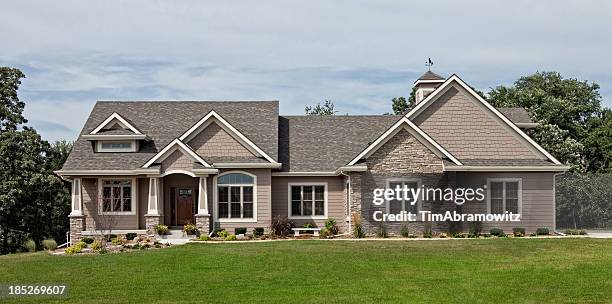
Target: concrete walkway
<point>600,234</point>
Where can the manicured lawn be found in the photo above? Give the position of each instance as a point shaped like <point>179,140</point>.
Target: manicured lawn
<point>442,271</point>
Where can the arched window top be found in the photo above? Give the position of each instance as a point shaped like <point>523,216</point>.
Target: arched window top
<point>235,178</point>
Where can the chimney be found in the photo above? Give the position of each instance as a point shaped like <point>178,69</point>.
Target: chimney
<point>426,84</point>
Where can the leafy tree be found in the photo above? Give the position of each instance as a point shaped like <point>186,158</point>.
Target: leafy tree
<point>11,108</point>
<point>321,110</point>
<point>598,143</point>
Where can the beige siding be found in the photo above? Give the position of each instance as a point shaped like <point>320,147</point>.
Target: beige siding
<point>538,206</point>
<point>177,161</point>
<point>214,141</point>
<point>468,131</point>
<point>143,201</point>
<point>94,221</point>
<point>336,202</point>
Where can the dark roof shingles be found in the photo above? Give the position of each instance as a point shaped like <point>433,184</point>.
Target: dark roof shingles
<point>516,115</point>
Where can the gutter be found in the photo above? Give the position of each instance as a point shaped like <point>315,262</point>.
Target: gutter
<point>106,172</point>
<point>507,168</point>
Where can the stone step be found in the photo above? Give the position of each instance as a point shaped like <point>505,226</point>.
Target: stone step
<point>175,234</point>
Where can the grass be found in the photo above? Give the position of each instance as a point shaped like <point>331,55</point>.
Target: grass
<point>567,270</point>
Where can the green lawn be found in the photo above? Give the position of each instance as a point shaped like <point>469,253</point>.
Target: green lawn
<point>444,271</point>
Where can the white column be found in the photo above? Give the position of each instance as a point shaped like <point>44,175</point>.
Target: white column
<point>153,204</point>
<point>202,197</point>
<point>77,198</point>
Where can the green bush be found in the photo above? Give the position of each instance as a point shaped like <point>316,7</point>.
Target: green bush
<point>458,235</point>
<point>130,236</point>
<point>136,246</point>
<point>190,229</point>
<point>308,225</point>
<point>542,231</point>
<point>518,231</point>
<point>325,233</point>
<point>30,246</point>
<point>161,229</point>
<point>204,237</point>
<point>404,231</point>
<point>238,231</point>
<point>222,233</point>
<point>427,230</point>
<point>473,235</point>
<point>575,232</point>
<point>476,228</point>
<point>110,237</point>
<point>358,231</point>
<point>97,245</point>
<point>117,241</point>
<point>49,244</point>
<point>497,232</point>
<point>382,232</point>
<point>331,225</point>
<point>231,237</point>
<point>87,240</point>
<point>257,232</point>
<point>76,248</point>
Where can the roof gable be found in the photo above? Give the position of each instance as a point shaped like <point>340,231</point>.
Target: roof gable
<point>173,147</point>
<point>454,80</point>
<point>115,122</point>
<point>407,125</point>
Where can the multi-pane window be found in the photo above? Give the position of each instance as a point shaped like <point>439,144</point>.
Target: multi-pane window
<point>117,195</point>
<point>116,146</point>
<point>504,195</point>
<point>235,196</point>
<point>307,200</point>
<point>398,205</point>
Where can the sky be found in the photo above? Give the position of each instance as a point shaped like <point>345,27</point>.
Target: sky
<point>359,54</point>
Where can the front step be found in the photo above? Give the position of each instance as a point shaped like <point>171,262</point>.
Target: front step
<point>175,234</point>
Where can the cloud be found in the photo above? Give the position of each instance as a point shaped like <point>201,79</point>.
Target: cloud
<point>359,54</point>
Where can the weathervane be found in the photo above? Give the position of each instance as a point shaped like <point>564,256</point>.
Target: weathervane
<point>428,64</point>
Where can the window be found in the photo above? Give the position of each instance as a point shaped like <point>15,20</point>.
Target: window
<point>396,206</point>
<point>308,200</point>
<point>117,197</point>
<point>504,195</point>
<point>116,146</point>
<point>236,197</point>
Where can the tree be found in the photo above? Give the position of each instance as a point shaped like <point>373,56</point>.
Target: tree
<point>321,110</point>
<point>561,106</point>
<point>598,143</point>
<point>11,108</point>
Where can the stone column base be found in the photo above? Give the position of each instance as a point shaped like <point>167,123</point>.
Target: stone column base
<point>151,221</point>
<point>77,225</point>
<point>203,223</point>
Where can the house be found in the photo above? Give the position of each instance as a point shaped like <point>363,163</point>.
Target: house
<point>238,164</point>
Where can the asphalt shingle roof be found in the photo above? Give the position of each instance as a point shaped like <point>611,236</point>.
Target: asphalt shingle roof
<point>516,115</point>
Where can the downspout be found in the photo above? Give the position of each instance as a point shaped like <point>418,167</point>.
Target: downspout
<point>348,201</point>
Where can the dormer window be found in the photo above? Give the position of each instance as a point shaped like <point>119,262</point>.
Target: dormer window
<point>116,146</point>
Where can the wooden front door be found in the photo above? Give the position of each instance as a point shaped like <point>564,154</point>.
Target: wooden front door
<point>184,206</point>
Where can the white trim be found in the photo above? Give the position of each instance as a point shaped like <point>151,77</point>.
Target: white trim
<point>114,137</point>
<point>205,171</point>
<point>247,165</point>
<point>178,172</point>
<point>311,217</point>
<point>507,168</point>
<point>215,196</point>
<point>428,141</point>
<point>106,172</point>
<point>76,198</point>
<point>166,151</point>
<point>202,197</point>
<point>428,100</point>
<point>99,146</point>
<point>114,231</point>
<point>419,81</point>
<point>134,190</point>
<point>297,173</point>
<point>153,197</point>
<point>504,180</point>
<point>356,168</point>
<point>418,181</point>
<point>120,119</point>
<point>227,127</point>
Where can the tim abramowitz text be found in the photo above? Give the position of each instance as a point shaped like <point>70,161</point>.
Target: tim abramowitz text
<point>448,216</point>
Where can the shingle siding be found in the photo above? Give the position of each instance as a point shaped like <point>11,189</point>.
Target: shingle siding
<point>214,141</point>
<point>177,161</point>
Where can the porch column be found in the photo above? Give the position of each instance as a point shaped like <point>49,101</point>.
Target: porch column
<point>77,219</point>
<point>153,216</point>
<point>203,216</point>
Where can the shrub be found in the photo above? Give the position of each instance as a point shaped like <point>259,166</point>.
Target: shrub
<point>81,245</point>
<point>117,241</point>
<point>204,237</point>
<point>30,246</point>
<point>542,231</point>
<point>404,231</point>
<point>518,232</point>
<point>473,235</point>
<point>238,231</point>
<point>325,233</point>
<point>161,229</point>
<point>110,237</point>
<point>49,244</point>
<point>190,229</point>
<point>308,225</point>
<point>330,224</point>
<point>257,232</point>
<point>476,228</point>
<point>222,233</point>
<point>281,225</point>
<point>71,250</point>
<point>575,232</point>
<point>382,232</point>
<point>130,236</point>
<point>87,240</point>
<point>442,235</point>
<point>97,246</point>
<point>136,246</point>
<point>458,235</point>
<point>76,248</point>
<point>497,232</point>
<point>357,226</point>
<point>427,233</point>
<point>231,237</point>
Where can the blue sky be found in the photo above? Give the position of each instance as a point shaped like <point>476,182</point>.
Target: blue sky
<point>359,54</point>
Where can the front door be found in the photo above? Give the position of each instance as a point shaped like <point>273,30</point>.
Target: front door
<point>184,206</point>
